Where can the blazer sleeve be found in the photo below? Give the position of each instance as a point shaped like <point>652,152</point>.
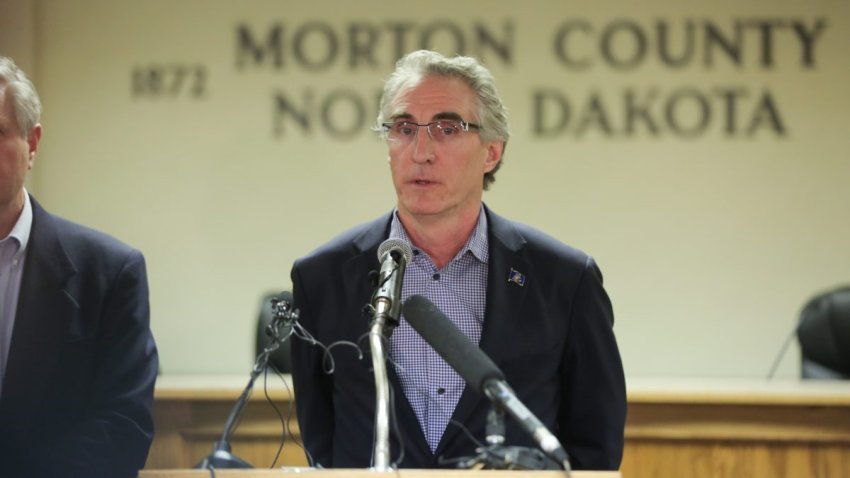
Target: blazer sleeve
<point>114,435</point>
<point>593,410</point>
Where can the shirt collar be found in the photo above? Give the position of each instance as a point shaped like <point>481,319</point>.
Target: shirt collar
<point>21,230</point>
<point>477,242</point>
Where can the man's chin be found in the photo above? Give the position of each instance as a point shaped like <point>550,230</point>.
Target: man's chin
<point>424,210</point>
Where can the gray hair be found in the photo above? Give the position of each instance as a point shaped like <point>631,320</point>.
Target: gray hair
<point>24,97</point>
<point>413,67</point>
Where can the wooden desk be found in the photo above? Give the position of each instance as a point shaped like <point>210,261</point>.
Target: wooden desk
<point>675,428</point>
<point>737,428</point>
<point>360,473</point>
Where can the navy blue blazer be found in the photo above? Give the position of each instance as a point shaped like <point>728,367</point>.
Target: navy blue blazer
<point>78,391</point>
<point>552,338</point>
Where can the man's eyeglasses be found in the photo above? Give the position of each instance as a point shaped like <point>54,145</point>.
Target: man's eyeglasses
<point>441,131</point>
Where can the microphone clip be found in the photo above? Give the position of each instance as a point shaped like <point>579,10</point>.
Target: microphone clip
<point>283,315</point>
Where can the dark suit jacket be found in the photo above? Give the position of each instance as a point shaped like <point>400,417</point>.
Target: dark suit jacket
<point>552,338</point>
<point>78,391</point>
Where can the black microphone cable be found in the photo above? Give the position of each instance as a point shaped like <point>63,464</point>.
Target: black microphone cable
<point>782,352</point>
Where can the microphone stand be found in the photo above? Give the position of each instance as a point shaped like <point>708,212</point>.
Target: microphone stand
<point>382,397</point>
<point>221,457</point>
<point>384,318</point>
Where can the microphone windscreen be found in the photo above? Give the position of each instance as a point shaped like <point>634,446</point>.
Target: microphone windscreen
<point>456,349</point>
<point>284,296</point>
<point>399,245</point>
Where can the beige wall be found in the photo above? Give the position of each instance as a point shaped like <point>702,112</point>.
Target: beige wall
<point>18,32</point>
<point>709,244</point>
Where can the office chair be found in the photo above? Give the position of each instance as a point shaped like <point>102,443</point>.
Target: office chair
<point>824,336</point>
<point>280,358</point>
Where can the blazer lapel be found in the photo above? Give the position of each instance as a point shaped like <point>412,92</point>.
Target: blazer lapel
<point>506,293</point>
<point>43,320</point>
<point>504,307</point>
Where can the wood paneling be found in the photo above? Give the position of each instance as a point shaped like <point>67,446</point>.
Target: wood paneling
<point>737,429</point>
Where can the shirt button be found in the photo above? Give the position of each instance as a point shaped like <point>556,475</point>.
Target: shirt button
<point>441,391</point>
<point>436,277</point>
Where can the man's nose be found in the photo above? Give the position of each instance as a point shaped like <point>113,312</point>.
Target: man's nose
<point>423,146</point>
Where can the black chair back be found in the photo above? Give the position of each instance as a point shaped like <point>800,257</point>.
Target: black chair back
<point>824,336</point>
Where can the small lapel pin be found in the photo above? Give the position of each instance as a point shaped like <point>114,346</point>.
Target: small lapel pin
<point>516,277</point>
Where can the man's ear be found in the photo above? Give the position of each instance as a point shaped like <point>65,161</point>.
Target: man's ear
<point>494,155</point>
<point>33,138</point>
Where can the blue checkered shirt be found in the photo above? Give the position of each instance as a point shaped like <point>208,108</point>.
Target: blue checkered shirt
<point>459,289</point>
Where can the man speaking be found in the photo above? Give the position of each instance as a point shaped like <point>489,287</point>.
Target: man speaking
<point>534,305</point>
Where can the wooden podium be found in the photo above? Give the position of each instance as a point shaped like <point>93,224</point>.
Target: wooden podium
<point>358,473</point>
<point>190,412</point>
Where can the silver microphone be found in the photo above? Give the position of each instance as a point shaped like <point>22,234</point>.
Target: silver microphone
<point>393,255</point>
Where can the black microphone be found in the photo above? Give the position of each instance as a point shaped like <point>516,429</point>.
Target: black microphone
<point>477,369</point>
<point>393,255</point>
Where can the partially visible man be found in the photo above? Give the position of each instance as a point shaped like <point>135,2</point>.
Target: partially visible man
<point>78,361</point>
<point>534,305</point>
